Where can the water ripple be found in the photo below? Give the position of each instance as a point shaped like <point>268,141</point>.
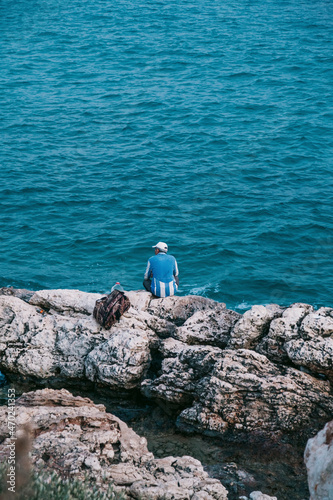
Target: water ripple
<point>205,124</point>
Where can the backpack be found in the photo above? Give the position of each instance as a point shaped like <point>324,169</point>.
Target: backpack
<point>109,309</point>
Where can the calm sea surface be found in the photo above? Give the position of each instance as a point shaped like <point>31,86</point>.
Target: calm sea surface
<point>205,124</point>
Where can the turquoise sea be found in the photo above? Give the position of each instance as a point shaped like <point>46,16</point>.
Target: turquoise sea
<point>203,123</point>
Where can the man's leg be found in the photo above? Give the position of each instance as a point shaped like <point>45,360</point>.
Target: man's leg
<point>147,285</point>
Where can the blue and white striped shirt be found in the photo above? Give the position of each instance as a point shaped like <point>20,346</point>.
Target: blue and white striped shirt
<point>161,269</point>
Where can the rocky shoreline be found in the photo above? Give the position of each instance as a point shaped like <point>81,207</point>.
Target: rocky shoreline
<point>75,437</point>
<point>266,374</point>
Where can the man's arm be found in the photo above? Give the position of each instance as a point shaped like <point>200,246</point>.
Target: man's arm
<point>148,271</point>
<point>176,272</point>
<point>146,279</point>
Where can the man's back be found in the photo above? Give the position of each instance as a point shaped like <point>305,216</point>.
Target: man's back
<point>163,267</point>
<point>161,276</point>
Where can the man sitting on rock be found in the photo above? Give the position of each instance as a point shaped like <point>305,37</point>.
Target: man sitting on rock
<point>161,276</point>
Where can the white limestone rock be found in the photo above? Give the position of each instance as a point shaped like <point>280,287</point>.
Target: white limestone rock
<point>241,391</point>
<point>78,438</point>
<point>313,349</point>
<point>208,327</point>
<point>316,355</point>
<point>182,369</point>
<point>325,311</point>
<point>318,457</point>
<point>139,299</point>
<point>121,361</point>
<point>52,344</point>
<point>217,389</point>
<point>178,309</point>
<point>282,330</point>
<point>317,324</point>
<point>66,300</point>
<point>253,325</point>
<point>42,345</point>
<point>258,495</point>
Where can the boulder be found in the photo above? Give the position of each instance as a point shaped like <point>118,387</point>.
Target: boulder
<point>258,495</point>
<point>65,300</point>
<point>68,345</point>
<point>316,355</point>
<point>253,325</point>
<point>301,337</point>
<point>182,369</point>
<point>318,457</point>
<point>20,293</point>
<point>74,437</point>
<point>208,327</point>
<point>281,330</point>
<point>178,309</point>
<point>140,299</point>
<point>239,391</point>
<point>121,361</point>
<point>37,344</point>
<point>318,324</point>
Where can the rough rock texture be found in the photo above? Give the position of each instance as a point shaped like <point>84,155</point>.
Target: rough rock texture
<point>65,300</point>
<point>257,495</point>
<point>121,361</point>
<point>209,327</point>
<point>35,343</point>
<point>266,371</point>
<point>318,457</point>
<point>314,348</point>
<point>281,330</point>
<point>60,338</point>
<point>57,343</point>
<point>20,293</point>
<point>76,437</point>
<point>178,309</point>
<point>227,390</point>
<point>298,336</point>
<point>253,325</point>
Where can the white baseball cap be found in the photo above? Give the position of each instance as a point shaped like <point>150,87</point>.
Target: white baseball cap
<point>163,247</point>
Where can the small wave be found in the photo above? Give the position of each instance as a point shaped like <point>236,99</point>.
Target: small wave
<point>201,290</point>
<point>243,306</point>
